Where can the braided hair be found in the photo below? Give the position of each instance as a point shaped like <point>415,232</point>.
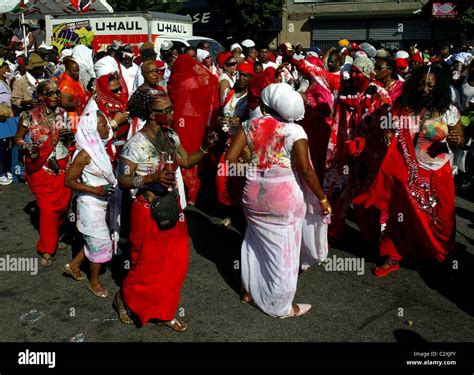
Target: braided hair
<point>140,102</point>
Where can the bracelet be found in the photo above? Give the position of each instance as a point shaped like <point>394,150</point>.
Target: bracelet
<point>138,182</point>
<point>113,124</point>
<point>203,150</point>
<point>325,200</point>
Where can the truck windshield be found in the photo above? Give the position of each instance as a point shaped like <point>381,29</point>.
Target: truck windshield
<point>216,47</point>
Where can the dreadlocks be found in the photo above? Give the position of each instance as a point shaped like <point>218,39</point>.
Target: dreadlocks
<point>438,100</point>
<point>140,102</point>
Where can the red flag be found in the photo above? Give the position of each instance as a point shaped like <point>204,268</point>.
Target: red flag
<point>81,5</point>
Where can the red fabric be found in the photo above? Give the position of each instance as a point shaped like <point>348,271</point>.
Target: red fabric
<point>257,84</point>
<point>271,56</point>
<point>194,92</point>
<point>52,198</point>
<point>417,57</point>
<point>69,86</point>
<point>229,188</point>
<point>245,68</point>
<point>222,58</point>
<point>391,194</point>
<point>107,101</point>
<point>401,63</point>
<point>159,258</point>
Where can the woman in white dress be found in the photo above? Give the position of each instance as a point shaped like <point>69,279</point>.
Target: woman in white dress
<point>275,201</point>
<point>92,176</point>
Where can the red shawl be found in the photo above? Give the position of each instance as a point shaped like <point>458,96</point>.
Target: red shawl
<point>194,92</point>
<point>109,103</point>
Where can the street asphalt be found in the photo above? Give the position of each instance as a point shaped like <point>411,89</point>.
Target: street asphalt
<point>435,304</point>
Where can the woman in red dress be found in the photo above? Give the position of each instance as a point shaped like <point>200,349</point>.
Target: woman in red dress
<point>415,183</point>
<point>152,288</point>
<point>46,161</point>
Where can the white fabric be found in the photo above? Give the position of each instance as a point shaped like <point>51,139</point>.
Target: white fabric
<point>201,54</point>
<point>402,55</point>
<point>129,75</point>
<point>269,64</point>
<point>140,150</point>
<point>83,56</point>
<point>463,57</point>
<point>368,49</point>
<point>248,43</point>
<point>66,53</point>
<point>284,100</point>
<point>467,92</point>
<point>234,46</point>
<point>106,65</point>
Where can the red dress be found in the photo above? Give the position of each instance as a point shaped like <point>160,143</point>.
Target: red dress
<point>52,196</point>
<point>419,202</point>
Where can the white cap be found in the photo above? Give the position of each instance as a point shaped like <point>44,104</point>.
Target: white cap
<point>248,43</point>
<point>402,55</point>
<point>234,46</point>
<point>166,45</point>
<point>45,46</point>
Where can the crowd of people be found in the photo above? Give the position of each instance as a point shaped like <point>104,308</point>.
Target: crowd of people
<point>292,138</point>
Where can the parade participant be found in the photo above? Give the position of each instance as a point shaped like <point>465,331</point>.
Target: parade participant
<point>151,289</point>
<point>50,130</point>
<point>92,176</point>
<point>128,68</point>
<point>234,112</point>
<point>415,180</point>
<point>385,73</point>
<point>274,201</point>
<point>251,56</point>
<point>73,96</point>
<point>25,86</point>
<point>193,89</point>
<point>227,78</point>
<point>236,50</point>
<point>205,59</point>
<point>83,56</point>
<point>263,57</point>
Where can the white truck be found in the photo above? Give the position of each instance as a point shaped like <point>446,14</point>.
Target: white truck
<point>133,28</point>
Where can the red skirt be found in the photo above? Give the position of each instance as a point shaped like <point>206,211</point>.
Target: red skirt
<point>53,199</point>
<point>410,230</point>
<point>160,258</point>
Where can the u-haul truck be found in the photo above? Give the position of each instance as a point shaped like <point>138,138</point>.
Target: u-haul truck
<point>133,28</point>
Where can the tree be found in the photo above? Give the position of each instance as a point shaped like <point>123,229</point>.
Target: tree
<point>247,17</point>
<point>169,6</point>
<point>466,17</point>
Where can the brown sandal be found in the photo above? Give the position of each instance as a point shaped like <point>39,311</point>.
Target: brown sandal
<point>46,260</point>
<point>175,324</point>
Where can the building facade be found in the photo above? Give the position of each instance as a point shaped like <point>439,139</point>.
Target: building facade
<point>395,24</point>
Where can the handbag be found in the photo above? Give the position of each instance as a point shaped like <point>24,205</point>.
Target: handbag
<point>164,207</point>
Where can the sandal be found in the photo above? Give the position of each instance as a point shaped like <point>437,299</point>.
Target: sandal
<point>121,310</point>
<point>101,294</point>
<point>389,266</point>
<point>46,260</point>
<point>297,309</point>
<point>175,324</point>
<point>245,297</point>
<point>75,273</point>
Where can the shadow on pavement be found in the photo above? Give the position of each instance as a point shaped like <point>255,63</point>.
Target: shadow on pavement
<point>217,244</point>
<point>454,278</point>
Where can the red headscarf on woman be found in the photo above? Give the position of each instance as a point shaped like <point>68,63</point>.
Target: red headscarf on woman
<point>108,102</point>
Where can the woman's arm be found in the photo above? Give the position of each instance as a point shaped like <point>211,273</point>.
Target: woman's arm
<point>456,135</point>
<point>223,86</point>
<point>301,155</point>
<point>127,180</point>
<point>75,171</point>
<point>190,160</point>
<point>239,141</point>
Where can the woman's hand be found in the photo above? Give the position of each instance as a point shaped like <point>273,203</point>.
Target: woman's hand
<point>104,190</point>
<point>325,206</point>
<point>165,178</point>
<point>455,137</point>
<point>121,117</point>
<point>387,137</point>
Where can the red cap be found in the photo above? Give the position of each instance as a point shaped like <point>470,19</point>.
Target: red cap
<point>417,57</point>
<point>245,68</point>
<point>354,46</point>
<point>222,58</point>
<point>401,64</point>
<point>160,64</point>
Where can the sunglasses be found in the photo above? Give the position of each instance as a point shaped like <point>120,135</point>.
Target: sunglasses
<point>166,110</point>
<point>50,94</point>
<point>117,90</point>
<point>155,71</point>
<point>231,63</point>
<point>208,57</point>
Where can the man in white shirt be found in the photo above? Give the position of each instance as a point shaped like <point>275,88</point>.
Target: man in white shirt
<point>263,53</point>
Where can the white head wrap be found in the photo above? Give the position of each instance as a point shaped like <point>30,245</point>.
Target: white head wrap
<point>463,57</point>
<point>369,49</point>
<point>402,55</point>
<point>83,56</point>
<point>248,43</point>
<point>234,46</point>
<point>88,139</point>
<point>284,100</point>
<point>106,65</point>
<point>359,54</point>
<point>66,53</point>
<point>201,54</point>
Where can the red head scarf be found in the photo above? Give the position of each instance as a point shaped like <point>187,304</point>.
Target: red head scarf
<point>107,101</point>
<point>258,83</point>
<point>245,68</point>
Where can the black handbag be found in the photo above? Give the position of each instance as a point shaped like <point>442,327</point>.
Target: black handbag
<point>165,209</point>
